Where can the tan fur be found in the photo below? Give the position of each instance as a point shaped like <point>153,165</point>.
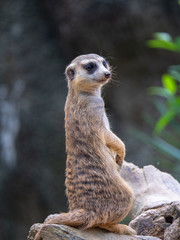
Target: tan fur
<point>97,195</point>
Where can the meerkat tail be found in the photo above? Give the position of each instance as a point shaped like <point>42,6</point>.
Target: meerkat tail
<point>76,218</point>
<point>119,228</point>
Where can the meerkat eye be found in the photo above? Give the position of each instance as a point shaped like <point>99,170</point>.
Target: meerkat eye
<point>90,67</point>
<point>105,64</point>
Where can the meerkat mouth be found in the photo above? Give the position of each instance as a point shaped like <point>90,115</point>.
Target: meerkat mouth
<point>103,80</point>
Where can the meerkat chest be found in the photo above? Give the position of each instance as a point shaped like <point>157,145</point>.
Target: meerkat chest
<point>106,121</point>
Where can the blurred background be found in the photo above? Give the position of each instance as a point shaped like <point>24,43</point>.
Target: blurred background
<point>38,38</point>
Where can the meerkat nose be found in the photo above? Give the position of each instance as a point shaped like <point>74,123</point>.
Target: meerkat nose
<point>107,75</point>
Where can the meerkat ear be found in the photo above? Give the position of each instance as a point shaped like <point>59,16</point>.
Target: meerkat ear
<point>70,72</point>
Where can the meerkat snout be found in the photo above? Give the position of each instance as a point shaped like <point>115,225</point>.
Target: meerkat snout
<point>107,75</point>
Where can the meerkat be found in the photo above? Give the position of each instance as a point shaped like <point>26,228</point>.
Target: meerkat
<point>97,194</point>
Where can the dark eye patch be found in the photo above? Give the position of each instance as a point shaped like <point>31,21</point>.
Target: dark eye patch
<point>105,64</point>
<point>90,67</point>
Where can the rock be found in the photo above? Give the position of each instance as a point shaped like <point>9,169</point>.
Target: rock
<point>173,231</point>
<point>61,232</point>
<point>156,208</point>
<point>155,212</point>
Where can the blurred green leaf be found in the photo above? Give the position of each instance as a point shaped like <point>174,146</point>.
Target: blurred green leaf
<point>168,148</point>
<point>163,121</point>
<point>173,105</point>
<point>160,106</point>
<point>158,143</point>
<point>162,44</point>
<point>163,36</point>
<point>179,2</point>
<point>178,101</point>
<point>164,40</point>
<point>176,127</point>
<point>169,83</point>
<point>177,42</point>
<point>174,71</point>
<point>176,104</point>
<point>159,91</point>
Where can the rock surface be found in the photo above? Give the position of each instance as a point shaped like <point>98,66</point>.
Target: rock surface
<point>155,212</point>
<point>61,232</point>
<point>156,208</point>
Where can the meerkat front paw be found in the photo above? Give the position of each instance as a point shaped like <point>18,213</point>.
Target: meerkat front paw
<point>119,160</point>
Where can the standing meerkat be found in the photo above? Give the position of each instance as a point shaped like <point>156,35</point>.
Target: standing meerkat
<point>97,194</point>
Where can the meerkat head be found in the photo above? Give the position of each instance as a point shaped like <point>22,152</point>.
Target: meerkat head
<point>88,72</point>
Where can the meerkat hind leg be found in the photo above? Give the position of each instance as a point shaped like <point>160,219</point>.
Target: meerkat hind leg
<point>119,228</point>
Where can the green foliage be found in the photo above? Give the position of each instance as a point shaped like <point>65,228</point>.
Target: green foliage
<point>164,41</point>
<point>170,89</point>
<point>166,130</point>
<point>161,145</point>
<point>174,71</point>
<point>169,84</point>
